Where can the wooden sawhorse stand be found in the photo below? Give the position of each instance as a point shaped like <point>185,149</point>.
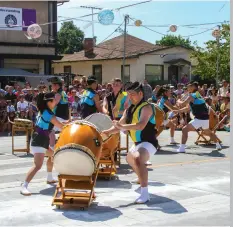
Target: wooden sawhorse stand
<point>118,152</point>
<point>28,132</point>
<point>82,200</point>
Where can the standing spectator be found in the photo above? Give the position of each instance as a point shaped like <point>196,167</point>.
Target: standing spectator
<point>174,81</point>
<point>184,79</point>
<point>179,90</point>
<point>29,95</point>
<point>224,89</point>
<point>72,95</point>
<point>83,82</point>
<point>147,90</point>
<point>10,95</point>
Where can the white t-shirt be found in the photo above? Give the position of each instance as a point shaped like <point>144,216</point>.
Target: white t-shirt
<point>22,106</point>
<point>10,109</point>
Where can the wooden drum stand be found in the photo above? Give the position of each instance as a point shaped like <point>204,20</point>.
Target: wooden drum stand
<point>22,125</point>
<point>82,200</point>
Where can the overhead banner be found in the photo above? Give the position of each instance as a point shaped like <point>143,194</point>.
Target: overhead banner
<point>15,19</point>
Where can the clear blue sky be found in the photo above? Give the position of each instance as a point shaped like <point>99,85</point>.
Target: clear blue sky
<point>153,13</point>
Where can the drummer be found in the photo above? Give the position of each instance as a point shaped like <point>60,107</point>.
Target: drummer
<point>116,102</point>
<point>200,112</point>
<point>40,138</point>
<point>90,101</point>
<point>139,120</point>
<point>61,110</point>
<point>166,106</point>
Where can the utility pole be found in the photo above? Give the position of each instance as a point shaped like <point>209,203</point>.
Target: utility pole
<point>218,57</point>
<point>124,52</point>
<point>92,14</point>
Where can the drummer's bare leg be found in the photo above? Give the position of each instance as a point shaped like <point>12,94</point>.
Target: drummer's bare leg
<point>38,162</point>
<point>137,161</point>
<point>213,137</point>
<point>185,130</point>
<point>50,179</point>
<point>172,127</point>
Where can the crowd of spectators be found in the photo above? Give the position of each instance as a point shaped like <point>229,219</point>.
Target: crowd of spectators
<point>19,101</point>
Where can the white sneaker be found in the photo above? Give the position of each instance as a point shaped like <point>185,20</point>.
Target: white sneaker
<point>24,191</point>
<point>148,163</point>
<point>180,150</point>
<point>143,199</point>
<point>218,147</point>
<point>135,181</point>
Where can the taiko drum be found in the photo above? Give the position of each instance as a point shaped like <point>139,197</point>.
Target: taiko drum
<point>78,149</point>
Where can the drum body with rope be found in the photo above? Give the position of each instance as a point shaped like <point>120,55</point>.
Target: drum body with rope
<point>104,122</point>
<point>78,149</point>
<point>159,116</point>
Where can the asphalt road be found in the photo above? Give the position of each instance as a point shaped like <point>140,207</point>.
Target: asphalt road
<point>191,189</point>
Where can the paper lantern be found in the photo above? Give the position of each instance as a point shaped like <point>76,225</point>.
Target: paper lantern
<point>173,28</point>
<point>216,33</point>
<point>138,23</point>
<point>34,31</point>
<point>106,17</point>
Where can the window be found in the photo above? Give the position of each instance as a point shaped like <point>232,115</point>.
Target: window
<point>154,73</point>
<point>97,72</point>
<point>67,69</point>
<point>126,78</point>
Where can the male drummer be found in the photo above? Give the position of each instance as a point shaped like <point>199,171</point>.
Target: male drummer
<point>200,112</point>
<point>139,121</point>
<point>116,102</point>
<point>90,101</point>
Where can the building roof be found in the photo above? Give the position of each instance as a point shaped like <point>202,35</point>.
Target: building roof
<point>180,61</point>
<point>114,49</point>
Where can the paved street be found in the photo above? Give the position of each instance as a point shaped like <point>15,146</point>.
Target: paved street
<point>191,189</point>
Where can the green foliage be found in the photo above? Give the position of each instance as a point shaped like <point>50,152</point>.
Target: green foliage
<point>172,40</point>
<point>207,57</point>
<point>70,38</point>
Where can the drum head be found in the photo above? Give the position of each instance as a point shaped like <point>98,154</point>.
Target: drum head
<point>74,160</point>
<point>101,121</point>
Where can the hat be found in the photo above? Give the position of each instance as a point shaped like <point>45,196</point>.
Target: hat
<point>55,80</point>
<point>91,80</point>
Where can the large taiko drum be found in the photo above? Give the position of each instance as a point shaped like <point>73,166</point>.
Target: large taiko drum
<point>23,123</point>
<point>159,116</point>
<point>104,122</point>
<point>213,119</point>
<point>78,149</point>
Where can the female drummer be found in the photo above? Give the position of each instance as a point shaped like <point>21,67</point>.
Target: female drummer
<point>165,105</point>
<point>40,138</point>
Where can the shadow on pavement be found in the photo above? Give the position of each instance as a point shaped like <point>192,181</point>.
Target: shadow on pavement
<point>214,153</point>
<point>48,191</point>
<point>163,152</point>
<point>160,203</point>
<point>95,213</point>
<point>114,184</point>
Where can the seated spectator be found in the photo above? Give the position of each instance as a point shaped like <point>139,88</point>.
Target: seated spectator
<point>223,89</point>
<point>225,105</point>
<point>22,105</point>
<point>10,108</point>
<point>179,90</point>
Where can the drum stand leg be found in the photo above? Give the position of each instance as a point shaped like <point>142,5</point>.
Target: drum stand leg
<point>63,197</point>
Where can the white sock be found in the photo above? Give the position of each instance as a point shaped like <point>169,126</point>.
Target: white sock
<point>144,191</point>
<point>172,139</point>
<point>50,176</point>
<point>25,184</point>
<point>182,145</point>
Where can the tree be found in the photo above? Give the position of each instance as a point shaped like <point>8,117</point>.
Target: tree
<point>207,57</point>
<point>70,38</point>
<point>172,40</point>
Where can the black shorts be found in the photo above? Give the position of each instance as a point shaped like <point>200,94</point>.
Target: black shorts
<point>39,140</point>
